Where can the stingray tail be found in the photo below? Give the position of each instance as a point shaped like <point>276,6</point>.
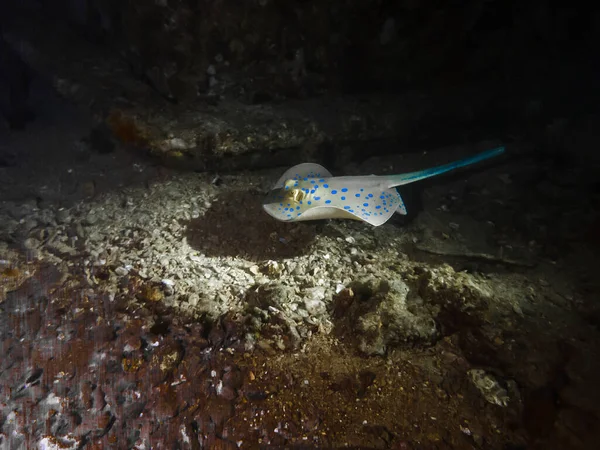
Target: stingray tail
<point>405,178</point>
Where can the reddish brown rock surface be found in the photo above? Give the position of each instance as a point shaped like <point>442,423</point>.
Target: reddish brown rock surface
<point>90,376</point>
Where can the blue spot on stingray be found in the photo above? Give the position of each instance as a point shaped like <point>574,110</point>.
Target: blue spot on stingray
<point>321,180</point>
<point>365,204</point>
<point>298,214</point>
<point>344,189</point>
<point>334,191</point>
<point>357,195</point>
<point>381,197</point>
<point>286,209</point>
<point>317,198</point>
<point>361,189</point>
<point>370,195</point>
<point>327,201</point>
<point>351,210</point>
<point>312,181</point>
<point>377,207</point>
<point>312,191</point>
<point>343,198</point>
<point>346,207</point>
<point>287,187</point>
<point>305,179</point>
<point>325,186</point>
<point>297,207</point>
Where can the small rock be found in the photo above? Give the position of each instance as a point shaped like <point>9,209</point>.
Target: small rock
<point>193,299</point>
<point>150,293</point>
<point>315,293</point>
<point>489,387</point>
<point>271,268</point>
<point>31,243</point>
<point>29,224</point>
<point>168,287</point>
<point>315,307</point>
<point>62,216</point>
<point>121,271</point>
<point>61,249</point>
<point>517,309</point>
<point>79,230</point>
<point>90,219</point>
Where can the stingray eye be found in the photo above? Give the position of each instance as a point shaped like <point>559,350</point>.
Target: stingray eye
<point>293,192</point>
<point>295,195</point>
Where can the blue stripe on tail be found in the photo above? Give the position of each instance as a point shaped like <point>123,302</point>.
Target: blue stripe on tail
<point>405,178</point>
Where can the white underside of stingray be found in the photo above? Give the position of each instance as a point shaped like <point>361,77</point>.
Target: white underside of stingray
<point>309,191</point>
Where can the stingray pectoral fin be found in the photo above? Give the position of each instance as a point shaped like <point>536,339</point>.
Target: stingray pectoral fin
<point>300,171</point>
<point>381,208</point>
<point>326,212</point>
<point>375,210</point>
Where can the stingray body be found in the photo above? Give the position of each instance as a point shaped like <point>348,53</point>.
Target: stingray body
<point>310,192</point>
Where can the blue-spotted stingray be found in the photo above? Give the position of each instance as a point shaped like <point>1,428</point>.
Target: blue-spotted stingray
<point>308,191</point>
